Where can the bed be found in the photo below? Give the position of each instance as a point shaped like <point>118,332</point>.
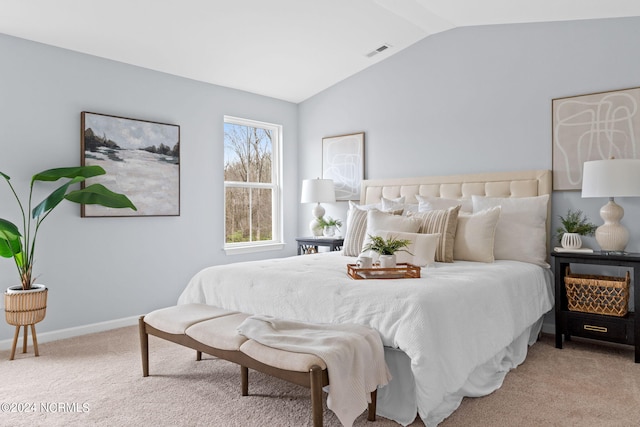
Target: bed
<point>454,332</point>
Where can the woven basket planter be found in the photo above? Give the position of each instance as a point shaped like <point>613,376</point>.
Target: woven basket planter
<point>25,307</point>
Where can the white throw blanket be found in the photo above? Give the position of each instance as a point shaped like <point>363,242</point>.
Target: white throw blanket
<point>353,354</point>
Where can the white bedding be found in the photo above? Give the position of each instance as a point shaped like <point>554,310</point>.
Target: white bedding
<point>455,318</point>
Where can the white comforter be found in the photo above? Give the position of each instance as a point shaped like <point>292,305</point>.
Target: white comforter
<point>456,317</point>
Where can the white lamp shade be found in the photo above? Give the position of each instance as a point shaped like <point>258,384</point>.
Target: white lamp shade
<point>611,178</point>
<point>318,191</point>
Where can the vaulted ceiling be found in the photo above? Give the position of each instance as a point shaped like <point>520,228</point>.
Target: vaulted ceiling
<point>286,49</point>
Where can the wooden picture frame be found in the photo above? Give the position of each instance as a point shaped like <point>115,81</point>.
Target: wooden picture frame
<point>343,162</point>
<point>595,126</point>
<point>142,161</point>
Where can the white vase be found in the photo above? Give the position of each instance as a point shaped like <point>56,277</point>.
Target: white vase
<point>571,241</point>
<point>388,261</point>
<point>329,231</point>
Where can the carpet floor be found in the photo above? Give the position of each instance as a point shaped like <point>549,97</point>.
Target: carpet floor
<point>96,380</point>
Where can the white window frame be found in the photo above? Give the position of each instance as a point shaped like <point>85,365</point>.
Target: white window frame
<point>277,221</point>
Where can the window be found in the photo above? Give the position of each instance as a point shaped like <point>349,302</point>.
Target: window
<point>252,182</point>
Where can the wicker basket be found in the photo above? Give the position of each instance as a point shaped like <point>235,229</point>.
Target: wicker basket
<point>597,294</point>
<point>25,308</point>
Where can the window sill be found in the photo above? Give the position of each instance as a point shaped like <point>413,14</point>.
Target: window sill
<point>237,250</point>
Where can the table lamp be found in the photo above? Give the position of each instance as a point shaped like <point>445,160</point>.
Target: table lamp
<point>611,178</point>
<point>317,191</point>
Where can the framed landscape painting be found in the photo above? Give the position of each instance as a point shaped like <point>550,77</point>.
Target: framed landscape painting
<point>142,161</point>
<point>595,126</point>
<point>343,162</point>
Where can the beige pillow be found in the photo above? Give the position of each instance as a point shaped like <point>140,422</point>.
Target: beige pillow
<point>521,232</point>
<point>475,235</point>
<point>421,250</point>
<point>443,222</point>
<point>377,220</point>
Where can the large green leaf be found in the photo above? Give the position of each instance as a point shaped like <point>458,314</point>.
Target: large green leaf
<point>98,194</point>
<point>54,198</point>
<point>69,172</point>
<point>10,243</point>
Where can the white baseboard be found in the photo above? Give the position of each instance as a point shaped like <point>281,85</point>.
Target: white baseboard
<point>74,332</point>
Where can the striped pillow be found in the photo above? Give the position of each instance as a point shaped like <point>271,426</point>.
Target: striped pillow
<point>356,230</point>
<point>444,222</point>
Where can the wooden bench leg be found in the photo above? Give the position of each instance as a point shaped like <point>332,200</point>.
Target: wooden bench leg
<point>244,374</point>
<point>198,355</point>
<point>371,416</point>
<point>316,395</point>
<point>144,347</point>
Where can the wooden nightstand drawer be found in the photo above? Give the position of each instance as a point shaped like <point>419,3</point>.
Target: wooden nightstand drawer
<point>598,328</point>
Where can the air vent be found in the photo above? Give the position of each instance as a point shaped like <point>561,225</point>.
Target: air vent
<point>378,50</point>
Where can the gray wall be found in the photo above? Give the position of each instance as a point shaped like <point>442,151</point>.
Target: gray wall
<point>101,269</point>
<point>474,99</point>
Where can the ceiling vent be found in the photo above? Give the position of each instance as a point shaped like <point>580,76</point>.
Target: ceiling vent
<point>378,50</point>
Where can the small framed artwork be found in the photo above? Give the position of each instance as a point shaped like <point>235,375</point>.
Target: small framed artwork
<point>595,126</point>
<point>343,162</point>
<point>142,161</point>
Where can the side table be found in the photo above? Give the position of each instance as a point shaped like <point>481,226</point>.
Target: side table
<point>309,245</point>
<point>622,330</point>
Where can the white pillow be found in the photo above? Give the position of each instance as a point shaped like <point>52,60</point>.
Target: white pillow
<point>422,246</point>
<point>475,235</point>
<point>430,203</point>
<point>395,206</point>
<point>377,220</point>
<point>521,232</point>
<point>357,227</point>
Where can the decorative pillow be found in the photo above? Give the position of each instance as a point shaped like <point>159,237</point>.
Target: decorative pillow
<point>357,226</point>
<point>521,232</point>
<point>443,222</point>
<point>395,206</point>
<point>356,230</point>
<point>377,220</point>
<point>475,235</point>
<point>429,203</point>
<point>422,246</point>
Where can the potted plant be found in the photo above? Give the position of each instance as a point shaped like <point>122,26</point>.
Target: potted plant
<point>387,248</point>
<point>25,304</point>
<point>329,225</point>
<point>574,225</point>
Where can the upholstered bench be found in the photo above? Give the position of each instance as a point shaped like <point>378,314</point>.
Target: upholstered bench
<point>213,331</point>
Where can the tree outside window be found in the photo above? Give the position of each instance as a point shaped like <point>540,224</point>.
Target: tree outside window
<point>251,182</point>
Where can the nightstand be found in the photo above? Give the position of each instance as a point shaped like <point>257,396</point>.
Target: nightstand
<point>309,245</point>
<point>623,330</point>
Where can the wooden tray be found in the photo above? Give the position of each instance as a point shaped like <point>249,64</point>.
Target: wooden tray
<point>401,271</point>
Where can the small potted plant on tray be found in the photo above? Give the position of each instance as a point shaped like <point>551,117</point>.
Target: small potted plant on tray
<point>387,248</point>
<point>25,304</point>
<point>574,225</point>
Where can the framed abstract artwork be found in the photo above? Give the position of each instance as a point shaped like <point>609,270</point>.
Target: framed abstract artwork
<point>343,162</point>
<point>596,126</point>
<point>141,158</point>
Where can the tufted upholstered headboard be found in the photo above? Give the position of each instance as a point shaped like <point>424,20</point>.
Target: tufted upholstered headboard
<point>492,184</point>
